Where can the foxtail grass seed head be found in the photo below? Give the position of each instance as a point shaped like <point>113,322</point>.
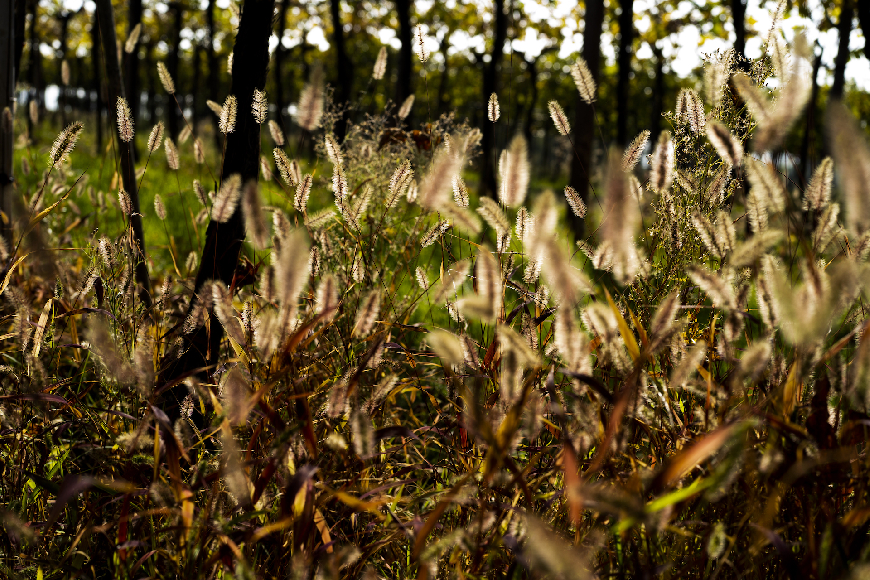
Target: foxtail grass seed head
<point>560,120</point>
<point>64,73</point>
<point>380,64</point>
<point>725,144</point>
<point>575,202</point>
<point>276,133</point>
<point>851,155</point>
<point>420,44</point>
<point>282,162</point>
<point>198,153</point>
<point>434,233</point>
<point>368,313</point>
<point>755,99</point>
<point>125,120</point>
<point>716,76</point>
<point>405,109</point>
<point>216,108</point>
<point>165,78</point>
<point>259,106</point>
<point>124,203</point>
<point>399,182</point>
<point>156,137</point>
<point>493,110</point>
<point>159,208</point>
<point>171,154</point>
<point>460,191</point>
<point>411,193</point>
<point>252,209</point>
<point>64,143</point>
<point>230,63</point>
<point>583,80</point>
<point>190,262</point>
<point>422,278</point>
<point>33,110</point>
<point>492,214</point>
<point>766,182</point>
<point>227,123</point>
<point>318,220</point>
<point>326,298</point>
<point>310,107</point>
<point>339,185</point>
<point>818,193</point>
<point>199,191</point>
<point>515,173</point>
<point>437,184</point>
<point>227,198</point>
<point>185,134</point>
<point>633,152</point>
<point>333,149</point>
<point>662,174</point>
<point>620,222</point>
<point>133,39</point>
<point>303,190</point>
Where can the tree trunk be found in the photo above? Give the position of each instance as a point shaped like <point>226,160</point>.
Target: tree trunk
<point>844,28</point>
<point>658,96</point>
<point>584,120</point>
<point>809,130</point>
<point>97,81</point>
<point>64,18</point>
<point>224,241</point>
<point>194,93</point>
<point>33,69</point>
<point>443,93</point>
<point>532,67</point>
<point>106,17</point>
<point>172,60</point>
<point>133,85</point>
<point>213,72</point>
<point>864,20</point>
<point>19,34</point>
<point>488,186</point>
<point>405,75</point>
<point>626,38</point>
<point>738,14</point>
<point>279,60</point>
<point>343,67</point>
<point>152,83</point>
<point>7,105</point>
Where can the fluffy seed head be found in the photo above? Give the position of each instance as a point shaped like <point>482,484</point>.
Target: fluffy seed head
<point>165,78</point>
<point>156,137</point>
<point>662,175</point>
<point>559,118</point>
<point>634,150</point>
<point>125,120</point>
<point>64,143</point>
<point>852,156</point>
<point>159,208</point>
<point>171,153</point>
<point>227,121</point>
<point>726,145</point>
<point>198,153</point>
<point>133,39</point>
<point>368,313</point>
<point>420,44</point>
<point>259,106</point>
<point>252,209</point>
<point>282,162</point>
<point>303,190</point>
<point>333,149</point>
<point>515,173</point>
<point>227,198</point>
<point>399,182</point>
<point>493,110</point>
<point>492,214</point>
<point>310,107</point>
<point>818,193</point>
<point>277,133</point>
<point>460,191</point>
<point>124,202</point>
<point>575,202</point>
<point>380,64</point>
<point>434,233</point>
<point>422,279</point>
<point>584,81</point>
<point>64,73</point>
<point>405,109</point>
<point>199,192</point>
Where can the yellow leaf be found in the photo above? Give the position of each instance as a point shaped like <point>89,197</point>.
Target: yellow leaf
<point>9,273</point>
<point>624,330</point>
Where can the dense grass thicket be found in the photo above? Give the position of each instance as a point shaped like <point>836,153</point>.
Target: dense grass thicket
<point>414,382</point>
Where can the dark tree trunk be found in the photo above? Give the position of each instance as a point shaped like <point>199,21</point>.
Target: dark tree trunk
<point>584,120</point>
<point>488,186</point>
<point>64,19</point>
<point>97,81</point>
<point>211,62</point>
<point>20,9</point>
<point>809,130</point>
<point>8,46</point>
<point>626,38</point>
<point>172,60</point>
<point>864,20</point>
<point>844,28</point>
<point>106,17</point>
<point>224,241</point>
<point>195,107</point>
<point>279,60</point>
<point>33,69</point>
<point>738,14</point>
<point>405,75</point>
<point>658,94</point>
<point>152,82</point>
<point>343,67</point>
<point>532,68</point>
<point>133,85</point>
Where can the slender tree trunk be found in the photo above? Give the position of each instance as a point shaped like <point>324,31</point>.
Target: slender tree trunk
<point>173,59</point>
<point>97,84</point>
<point>21,10</point>
<point>626,38</point>
<point>809,130</point>
<point>152,83</point>
<point>195,107</point>
<point>64,18</point>
<point>864,20</point>
<point>584,120</point>
<point>738,14</point>
<point>33,70</point>
<point>116,90</point>
<point>844,28</point>
<point>133,84</point>
<point>443,83</point>
<point>7,105</point>
<point>343,66</point>
<point>224,241</point>
<point>405,76</point>
<point>532,67</point>
<point>658,94</point>
<point>211,62</point>
<point>488,186</point>
<point>279,59</point>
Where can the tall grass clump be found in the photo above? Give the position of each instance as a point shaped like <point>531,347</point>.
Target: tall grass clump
<point>412,382</point>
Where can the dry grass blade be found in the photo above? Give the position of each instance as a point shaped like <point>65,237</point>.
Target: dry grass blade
<point>681,464</point>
